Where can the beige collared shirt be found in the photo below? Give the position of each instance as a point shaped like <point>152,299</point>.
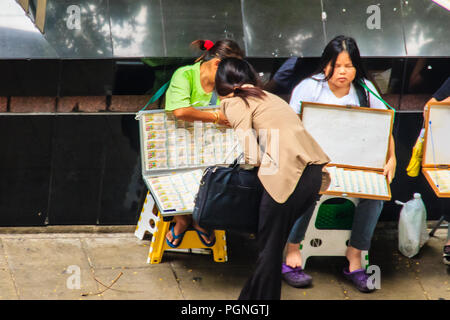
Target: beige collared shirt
<point>273,138</point>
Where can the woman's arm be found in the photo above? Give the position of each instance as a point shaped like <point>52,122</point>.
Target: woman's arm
<point>391,163</point>
<point>191,114</point>
<point>178,100</point>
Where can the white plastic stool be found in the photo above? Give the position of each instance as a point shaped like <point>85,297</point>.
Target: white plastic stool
<point>318,242</point>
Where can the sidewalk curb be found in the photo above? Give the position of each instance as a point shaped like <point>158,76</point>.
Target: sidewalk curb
<point>69,229</point>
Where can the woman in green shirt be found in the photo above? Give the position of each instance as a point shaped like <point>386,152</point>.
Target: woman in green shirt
<point>192,86</point>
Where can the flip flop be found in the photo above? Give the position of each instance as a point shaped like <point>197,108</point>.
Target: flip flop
<point>207,235</point>
<point>180,236</point>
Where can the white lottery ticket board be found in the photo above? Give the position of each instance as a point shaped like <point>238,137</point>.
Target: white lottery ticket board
<point>174,154</point>
<point>175,192</point>
<point>357,141</point>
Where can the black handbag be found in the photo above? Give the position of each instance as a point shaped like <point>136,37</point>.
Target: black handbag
<point>228,198</point>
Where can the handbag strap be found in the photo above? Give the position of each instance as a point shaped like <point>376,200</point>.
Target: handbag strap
<point>236,161</point>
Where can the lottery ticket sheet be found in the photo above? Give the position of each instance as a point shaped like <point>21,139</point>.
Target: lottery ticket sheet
<point>175,193</point>
<point>441,179</point>
<point>170,144</point>
<point>360,182</point>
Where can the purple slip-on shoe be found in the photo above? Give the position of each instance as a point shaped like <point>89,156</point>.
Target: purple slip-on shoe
<point>295,277</point>
<point>359,278</point>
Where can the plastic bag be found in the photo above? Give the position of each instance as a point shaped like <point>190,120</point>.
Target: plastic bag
<point>412,226</point>
<point>413,168</point>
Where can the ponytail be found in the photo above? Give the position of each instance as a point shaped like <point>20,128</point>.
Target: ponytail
<point>232,74</point>
<point>248,92</point>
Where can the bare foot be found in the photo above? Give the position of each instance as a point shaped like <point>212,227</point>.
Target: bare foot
<point>181,225</point>
<point>204,233</point>
<point>293,255</point>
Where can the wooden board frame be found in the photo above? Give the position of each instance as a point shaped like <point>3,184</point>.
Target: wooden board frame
<point>352,167</point>
<point>41,11</point>
<point>25,4</point>
<point>428,168</point>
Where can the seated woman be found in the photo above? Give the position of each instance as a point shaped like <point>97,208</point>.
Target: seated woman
<point>338,81</point>
<point>192,86</point>
<point>290,166</point>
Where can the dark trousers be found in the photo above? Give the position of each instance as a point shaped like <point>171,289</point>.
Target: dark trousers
<point>275,223</point>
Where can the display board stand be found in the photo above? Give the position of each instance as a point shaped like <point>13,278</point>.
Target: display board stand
<point>436,154</point>
<point>357,141</point>
<point>174,154</point>
<point>152,222</point>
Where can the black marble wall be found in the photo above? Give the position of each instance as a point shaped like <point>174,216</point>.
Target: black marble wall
<point>407,126</point>
<point>81,169</point>
<point>86,169</point>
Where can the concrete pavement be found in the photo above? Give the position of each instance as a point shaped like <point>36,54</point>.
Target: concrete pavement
<point>72,263</point>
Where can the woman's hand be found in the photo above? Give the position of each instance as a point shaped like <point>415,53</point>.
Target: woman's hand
<point>389,169</point>
<point>223,119</point>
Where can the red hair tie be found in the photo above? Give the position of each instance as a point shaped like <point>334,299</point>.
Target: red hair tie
<point>208,44</point>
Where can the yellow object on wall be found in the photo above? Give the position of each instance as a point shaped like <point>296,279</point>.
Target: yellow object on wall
<point>414,165</point>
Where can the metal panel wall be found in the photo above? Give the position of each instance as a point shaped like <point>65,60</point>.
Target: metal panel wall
<point>136,28</point>
<point>96,29</point>
<point>87,37</point>
<point>427,27</point>
<point>275,29</point>
<point>186,21</point>
<point>70,170</point>
<point>376,27</point>
<point>86,170</point>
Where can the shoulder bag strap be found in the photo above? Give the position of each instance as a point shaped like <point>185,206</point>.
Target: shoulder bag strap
<point>379,98</point>
<point>155,97</point>
<point>213,100</point>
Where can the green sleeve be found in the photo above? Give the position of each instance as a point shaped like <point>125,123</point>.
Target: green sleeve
<point>178,95</point>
